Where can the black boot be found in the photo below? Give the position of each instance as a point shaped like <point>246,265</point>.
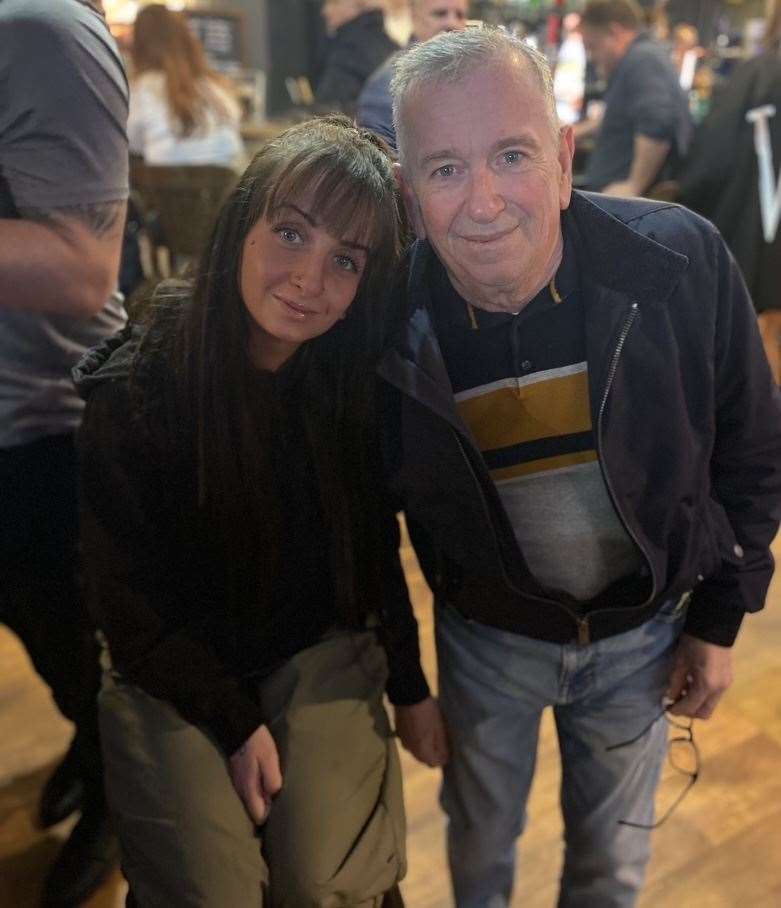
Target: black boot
<point>85,860</point>
<point>63,792</point>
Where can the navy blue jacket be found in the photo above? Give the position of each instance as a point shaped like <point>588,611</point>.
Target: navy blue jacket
<point>375,105</point>
<point>356,50</point>
<point>686,418</point>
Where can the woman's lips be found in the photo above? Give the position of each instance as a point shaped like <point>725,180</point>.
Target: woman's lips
<point>300,312</point>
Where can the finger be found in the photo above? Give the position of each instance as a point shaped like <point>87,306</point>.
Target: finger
<point>270,773</point>
<point>709,706</point>
<point>442,744</point>
<point>690,702</point>
<point>429,751</point>
<point>677,683</point>
<point>438,751</point>
<point>256,804</point>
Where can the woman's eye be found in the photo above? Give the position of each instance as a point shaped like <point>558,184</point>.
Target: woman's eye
<point>288,234</point>
<point>347,264</point>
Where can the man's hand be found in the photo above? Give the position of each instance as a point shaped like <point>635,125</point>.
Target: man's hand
<point>255,773</point>
<point>623,189</point>
<point>702,672</point>
<point>421,730</point>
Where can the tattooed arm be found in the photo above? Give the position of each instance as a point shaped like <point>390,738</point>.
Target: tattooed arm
<point>61,260</point>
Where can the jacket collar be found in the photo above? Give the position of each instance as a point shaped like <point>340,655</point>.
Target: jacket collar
<point>613,250</point>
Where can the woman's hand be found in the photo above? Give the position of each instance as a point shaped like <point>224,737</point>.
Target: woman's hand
<point>255,773</point>
<point>421,730</point>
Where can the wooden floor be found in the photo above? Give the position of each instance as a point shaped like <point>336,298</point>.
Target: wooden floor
<point>722,849</point>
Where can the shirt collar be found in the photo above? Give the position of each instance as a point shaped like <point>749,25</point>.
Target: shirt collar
<point>452,311</point>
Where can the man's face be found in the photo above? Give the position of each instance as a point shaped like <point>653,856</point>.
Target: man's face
<point>430,17</point>
<point>604,46</point>
<point>485,177</point>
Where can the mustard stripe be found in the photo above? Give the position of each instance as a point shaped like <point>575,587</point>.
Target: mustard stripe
<point>543,466</point>
<point>504,418</point>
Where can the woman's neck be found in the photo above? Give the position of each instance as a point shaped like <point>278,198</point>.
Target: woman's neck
<point>269,354</point>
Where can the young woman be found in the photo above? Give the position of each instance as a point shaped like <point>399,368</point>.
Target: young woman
<point>181,110</point>
<point>238,556</point>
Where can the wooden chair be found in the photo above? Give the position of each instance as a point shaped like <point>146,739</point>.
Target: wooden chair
<point>183,203</point>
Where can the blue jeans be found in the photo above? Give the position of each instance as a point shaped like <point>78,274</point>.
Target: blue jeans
<point>493,687</point>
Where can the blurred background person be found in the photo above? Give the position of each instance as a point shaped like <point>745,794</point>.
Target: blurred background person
<point>686,53</point>
<point>63,185</point>
<point>358,44</point>
<point>720,179</point>
<point>181,110</point>
<point>646,125</point>
<point>569,75</point>
<point>429,18</point>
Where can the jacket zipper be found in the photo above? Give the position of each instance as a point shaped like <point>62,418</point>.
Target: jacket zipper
<point>582,623</point>
<point>602,465</point>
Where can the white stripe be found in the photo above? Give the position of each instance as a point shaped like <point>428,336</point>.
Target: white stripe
<point>521,381</point>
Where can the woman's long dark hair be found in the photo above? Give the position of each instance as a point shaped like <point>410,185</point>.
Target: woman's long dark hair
<point>346,177</point>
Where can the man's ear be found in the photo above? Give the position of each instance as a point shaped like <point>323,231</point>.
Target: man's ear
<point>566,154</point>
<point>410,202</point>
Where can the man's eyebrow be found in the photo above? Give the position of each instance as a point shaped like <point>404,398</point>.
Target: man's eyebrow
<point>523,139</point>
<point>441,155</point>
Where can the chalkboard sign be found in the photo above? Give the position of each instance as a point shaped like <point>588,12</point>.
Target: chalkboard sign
<point>220,33</point>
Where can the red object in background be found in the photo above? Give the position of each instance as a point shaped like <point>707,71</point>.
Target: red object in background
<point>554,24</point>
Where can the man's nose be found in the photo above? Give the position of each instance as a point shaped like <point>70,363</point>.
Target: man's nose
<point>484,203</point>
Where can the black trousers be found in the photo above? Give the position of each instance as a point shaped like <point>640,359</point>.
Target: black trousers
<point>39,594</point>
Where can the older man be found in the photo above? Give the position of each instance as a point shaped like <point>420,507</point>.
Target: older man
<point>429,18</point>
<point>587,445</point>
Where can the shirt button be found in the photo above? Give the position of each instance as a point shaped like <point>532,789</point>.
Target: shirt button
<point>738,550</point>
<point>526,365</point>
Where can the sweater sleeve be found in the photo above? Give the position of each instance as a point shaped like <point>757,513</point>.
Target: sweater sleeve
<point>158,632</point>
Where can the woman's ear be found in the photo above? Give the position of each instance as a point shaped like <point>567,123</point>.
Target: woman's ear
<point>410,202</point>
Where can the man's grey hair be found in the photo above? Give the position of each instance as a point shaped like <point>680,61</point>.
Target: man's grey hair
<point>450,56</point>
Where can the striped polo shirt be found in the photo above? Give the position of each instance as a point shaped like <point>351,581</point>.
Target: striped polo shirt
<point>521,385</point>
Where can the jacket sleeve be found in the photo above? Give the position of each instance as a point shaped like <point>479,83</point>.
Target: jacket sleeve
<point>398,628</point>
<point>139,586</point>
<point>745,462</point>
<point>375,108</point>
<point>344,75</point>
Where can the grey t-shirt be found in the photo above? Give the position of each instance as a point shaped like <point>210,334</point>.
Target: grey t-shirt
<point>643,97</point>
<point>63,142</point>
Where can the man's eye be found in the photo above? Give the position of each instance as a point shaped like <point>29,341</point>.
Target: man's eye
<point>446,170</point>
<point>512,157</point>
